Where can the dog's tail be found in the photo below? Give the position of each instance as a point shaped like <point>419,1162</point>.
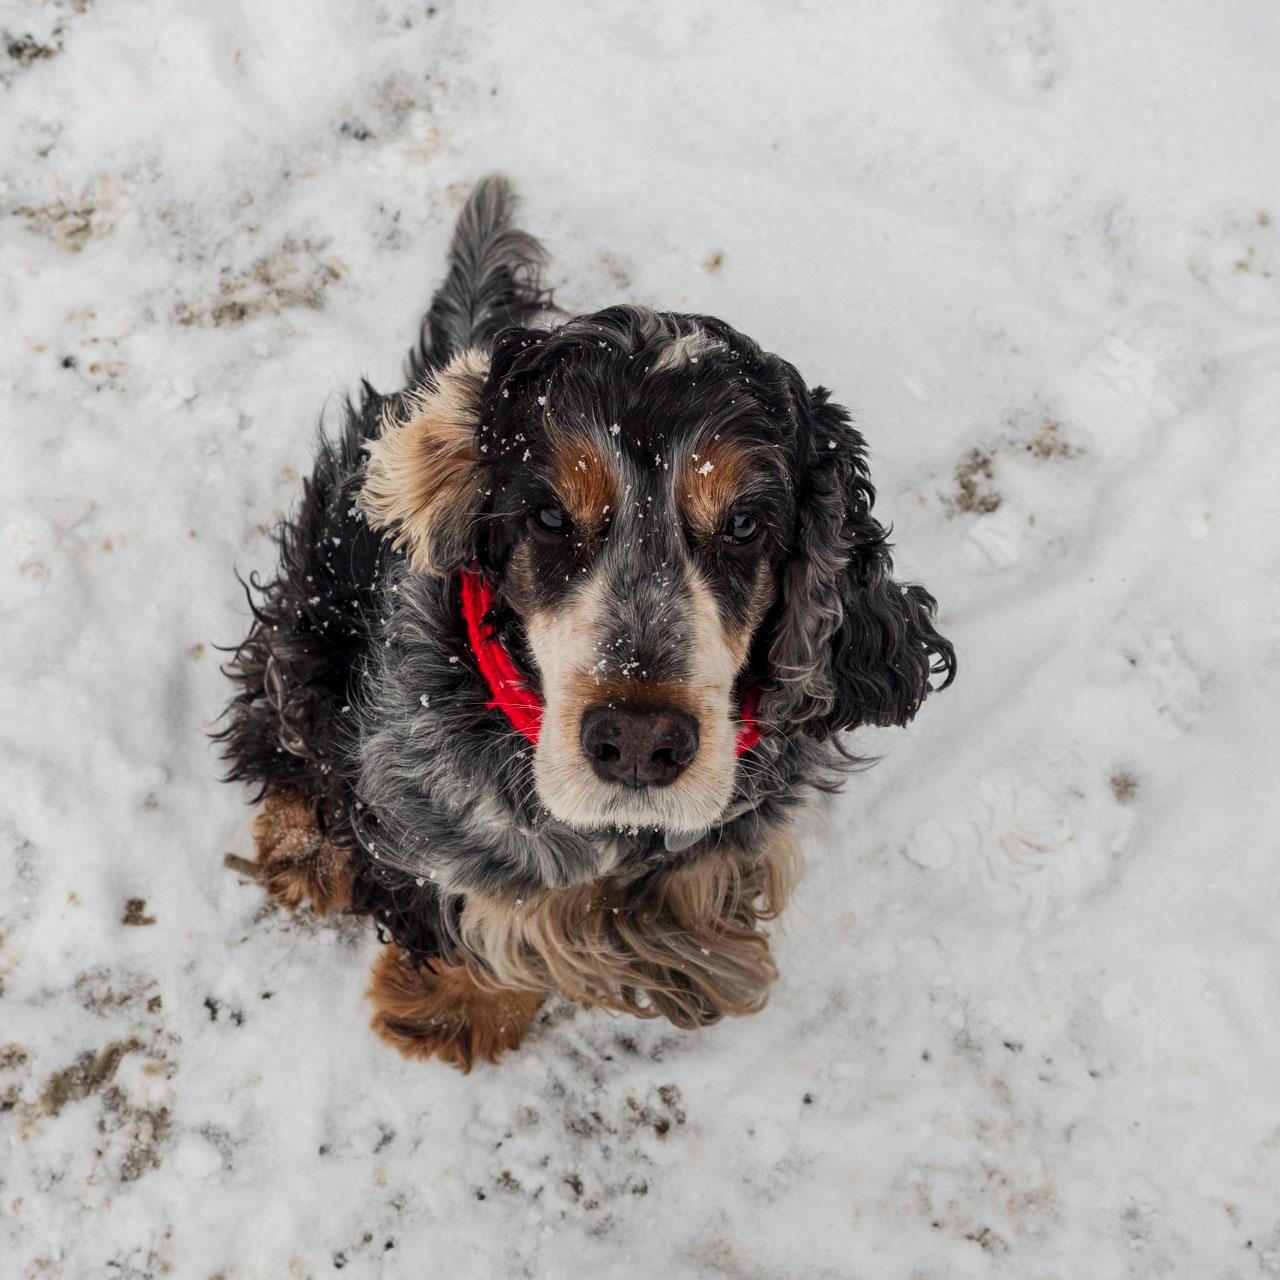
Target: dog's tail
<point>493,280</point>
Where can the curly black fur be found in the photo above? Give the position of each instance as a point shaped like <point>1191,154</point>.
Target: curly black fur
<point>850,646</point>
<point>358,690</point>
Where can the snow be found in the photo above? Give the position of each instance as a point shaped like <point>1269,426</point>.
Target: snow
<point>1028,1018</point>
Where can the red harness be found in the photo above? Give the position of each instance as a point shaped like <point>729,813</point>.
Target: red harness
<point>520,704</point>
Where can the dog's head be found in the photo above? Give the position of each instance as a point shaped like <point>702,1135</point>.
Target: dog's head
<point>669,518</point>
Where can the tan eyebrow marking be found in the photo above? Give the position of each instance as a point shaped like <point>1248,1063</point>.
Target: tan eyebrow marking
<point>420,481</point>
<point>711,478</point>
<point>585,480</point>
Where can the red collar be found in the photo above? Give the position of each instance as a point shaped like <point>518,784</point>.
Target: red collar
<point>520,704</point>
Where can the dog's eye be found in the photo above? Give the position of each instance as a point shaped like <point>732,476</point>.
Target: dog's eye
<point>740,528</point>
<point>553,518</point>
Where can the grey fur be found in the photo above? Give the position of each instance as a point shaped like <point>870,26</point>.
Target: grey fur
<point>446,786</point>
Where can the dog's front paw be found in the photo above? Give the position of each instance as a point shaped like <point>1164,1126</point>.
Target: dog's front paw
<point>440,1011</point>
<point>296,864</point>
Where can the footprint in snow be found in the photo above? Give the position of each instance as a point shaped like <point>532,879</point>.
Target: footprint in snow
<point>1151,657</point>
<point>999,538</point>
<point>1020,830</point>
<point>1010,47</point>
<point>1040,830</point>
<point>1151,368</point>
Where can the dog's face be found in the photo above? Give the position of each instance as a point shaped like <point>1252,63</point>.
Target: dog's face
<point>634,523</point>
<point>668,516</point>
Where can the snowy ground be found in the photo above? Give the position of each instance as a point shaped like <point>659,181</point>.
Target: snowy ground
<point>1029,1023</point>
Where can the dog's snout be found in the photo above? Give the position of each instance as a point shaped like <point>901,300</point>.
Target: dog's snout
<point>639,748</point>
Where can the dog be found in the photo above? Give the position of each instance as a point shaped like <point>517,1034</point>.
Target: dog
<point>561,635</point>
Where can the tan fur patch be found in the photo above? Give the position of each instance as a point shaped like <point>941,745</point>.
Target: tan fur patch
<point>687,946</point>
<point>738,639</point>
<point>717,654</point>
<point>586,690</point>
<point>296,864</point>
<point>420,481</point>
<point>517,583</point>
<point>585,481</point>
<point>711,480</point>
<point>441,1011</point>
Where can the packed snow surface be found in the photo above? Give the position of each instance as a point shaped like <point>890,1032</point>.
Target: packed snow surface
<point>1029,1018</point>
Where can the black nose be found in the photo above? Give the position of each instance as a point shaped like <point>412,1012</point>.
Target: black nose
<point>638,748</point>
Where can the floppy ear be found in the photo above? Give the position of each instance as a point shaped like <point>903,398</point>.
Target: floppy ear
<point>422,479</point>
<point>850,645</point>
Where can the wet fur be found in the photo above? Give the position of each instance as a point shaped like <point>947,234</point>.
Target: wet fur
<point>296,865</point>
<point>359,703</point>
<point>684,944</point>
<point>436,1010</point>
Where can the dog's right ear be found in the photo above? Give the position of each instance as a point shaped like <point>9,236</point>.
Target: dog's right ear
<point>422,480</point>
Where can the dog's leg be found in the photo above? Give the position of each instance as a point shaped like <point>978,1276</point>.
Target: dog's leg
<point>296,863</point>
<point>441,1010</point>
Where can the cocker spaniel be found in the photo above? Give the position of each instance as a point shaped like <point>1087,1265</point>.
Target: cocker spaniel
<point>561,634</point>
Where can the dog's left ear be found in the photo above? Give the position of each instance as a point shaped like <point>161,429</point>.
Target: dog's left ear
<point>422,481</point>
<point>850,646</point>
